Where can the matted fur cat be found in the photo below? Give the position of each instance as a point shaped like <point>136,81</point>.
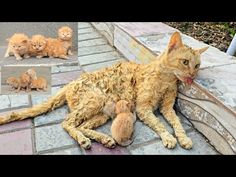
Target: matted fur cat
<point>150,86</point>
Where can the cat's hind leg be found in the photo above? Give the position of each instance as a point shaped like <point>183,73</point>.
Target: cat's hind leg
<point>96,121</point>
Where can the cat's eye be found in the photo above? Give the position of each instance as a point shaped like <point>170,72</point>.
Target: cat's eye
<point>197,66</point>
<point>185,62</point>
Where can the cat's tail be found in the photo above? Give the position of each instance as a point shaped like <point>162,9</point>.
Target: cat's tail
<point>53,102</point>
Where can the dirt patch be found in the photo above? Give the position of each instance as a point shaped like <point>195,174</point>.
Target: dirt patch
<point>216,34</point>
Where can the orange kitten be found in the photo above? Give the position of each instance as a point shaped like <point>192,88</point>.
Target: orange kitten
<point>65,34</point>
<point>123,125</point>
<point>24,82</point>
<point>18,45</point>
<point>38,45</point>
<point>39,84</point>
<point>32,73</point>
<point>13,82</point>
<point>56,49</point>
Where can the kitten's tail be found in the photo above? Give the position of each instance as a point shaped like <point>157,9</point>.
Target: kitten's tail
<point>53,102</point>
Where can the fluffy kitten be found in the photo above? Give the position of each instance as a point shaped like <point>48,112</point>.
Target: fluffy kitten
<point>38,44</point>
<point>26,79</point>
<point>39,84</point>
<point>56,49</point>
<point>65,34</point>
<point>18,45</point>
<point>123,125</point>
<point>13,82</point>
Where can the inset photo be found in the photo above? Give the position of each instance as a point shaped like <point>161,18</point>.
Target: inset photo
<point>17,80</point>
<point>38,43</point>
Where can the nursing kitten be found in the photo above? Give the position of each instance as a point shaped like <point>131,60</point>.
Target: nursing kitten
<point>39,84</point>
<point>65,34</point>
<point>38,44</point>
<point>13,82</point>
<point>123,125</point>
<point>18,45</point>
<point>109,109</point>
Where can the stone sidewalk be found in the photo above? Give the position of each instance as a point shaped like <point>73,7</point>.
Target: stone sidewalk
<point>44,134</point>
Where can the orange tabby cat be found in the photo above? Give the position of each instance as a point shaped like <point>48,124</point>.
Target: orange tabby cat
<point>65,34</point>
<point>18,45</point>
<point>123,125</point>
<point>38,43</point>
<point>13,82</point>
<point>39,84</point>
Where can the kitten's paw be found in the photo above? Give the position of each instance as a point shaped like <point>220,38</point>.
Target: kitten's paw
<point>185,142</point>
<point>26,56</point>
<point>108,142</point>
<point>70,53</point>
<point>168,140</point>
<point>18,58</point>
<point>6,55</point>
<point>86,143</point>
<point>39,56</point>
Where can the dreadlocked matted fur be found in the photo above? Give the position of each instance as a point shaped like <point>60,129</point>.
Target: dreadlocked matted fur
<point>149,86</point>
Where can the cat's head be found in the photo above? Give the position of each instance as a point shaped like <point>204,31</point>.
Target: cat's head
<point>123,106</point>
<point>182,60</point>
<point>32,73</point>
<point>19,42</point>
<point>38,43</point>
<point>65,33</point>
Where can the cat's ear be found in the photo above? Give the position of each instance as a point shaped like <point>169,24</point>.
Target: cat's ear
<point>175,42</point>
<point>25,41</point>
<point>202,49</point>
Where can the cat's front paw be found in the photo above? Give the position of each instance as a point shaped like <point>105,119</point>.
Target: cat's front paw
<point>86,143</point>
<point>185,142</point>
<point>108,142</point>
<point>168,140</point>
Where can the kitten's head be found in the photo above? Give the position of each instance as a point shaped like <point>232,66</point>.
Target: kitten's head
<point>32,73</point>
<point>11,80</point>
<point>123,106</point>
<point>38,43</point>
<point>182,60</point>
<point>19,42</point>
<point>65,33</point>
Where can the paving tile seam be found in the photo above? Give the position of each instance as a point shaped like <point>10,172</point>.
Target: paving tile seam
<point>53,74</point>
<point>138,145</point>
<point>15,130</point>
<point>115,59</point>
<point>14,108</point>
<point>94,46</point>
<point>84,33</point>
<point>95,53</point>
<point>33,139</point>
<point>56,122</point>
<point>90,39</point>
<point>84,27</point>
<point>58,149</point>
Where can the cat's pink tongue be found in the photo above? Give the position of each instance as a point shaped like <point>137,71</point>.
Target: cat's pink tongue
<point>189,80</point>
